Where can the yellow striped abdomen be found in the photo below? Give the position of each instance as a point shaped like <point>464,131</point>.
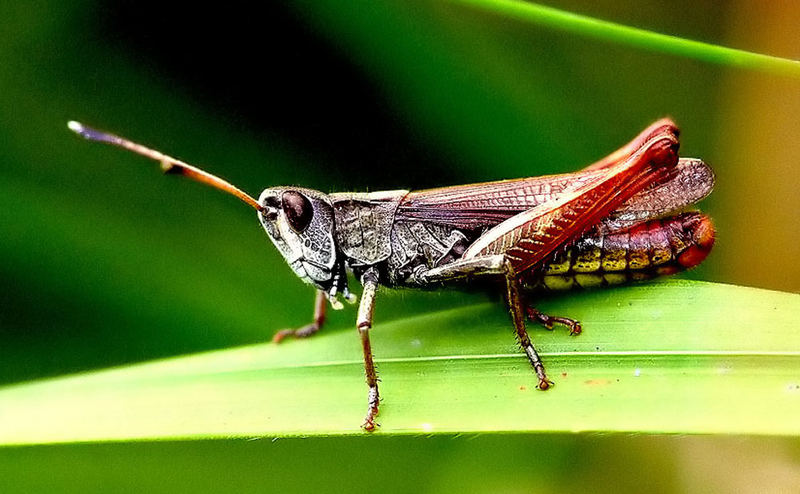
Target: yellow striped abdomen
<point>653,248</point>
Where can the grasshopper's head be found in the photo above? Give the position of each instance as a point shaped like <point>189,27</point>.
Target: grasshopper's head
<point>300,223</point>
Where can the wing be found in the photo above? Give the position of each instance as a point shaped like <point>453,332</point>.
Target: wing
<point>480,205</point>
<point>485,205</point>
<point>688,183</point>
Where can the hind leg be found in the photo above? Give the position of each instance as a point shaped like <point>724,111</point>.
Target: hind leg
<point>547,321</point>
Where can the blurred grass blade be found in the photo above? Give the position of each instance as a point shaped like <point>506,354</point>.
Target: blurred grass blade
<point>641,38</point>
<point>677,357</point>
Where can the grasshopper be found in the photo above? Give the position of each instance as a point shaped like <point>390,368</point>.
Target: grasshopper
<point>614,221</point>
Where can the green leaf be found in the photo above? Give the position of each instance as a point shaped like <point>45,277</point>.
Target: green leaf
<point>617,33</point>
<point>677,356</point>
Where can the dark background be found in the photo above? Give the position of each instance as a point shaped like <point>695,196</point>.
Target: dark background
<point>278,77</point>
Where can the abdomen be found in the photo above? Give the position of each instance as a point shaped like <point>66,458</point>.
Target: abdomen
<point>650,249</point>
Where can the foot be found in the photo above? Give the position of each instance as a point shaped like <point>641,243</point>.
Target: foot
<point>303,332</point>
<point>544,384</point>
<point>536,315</point>
<point>369,424</point>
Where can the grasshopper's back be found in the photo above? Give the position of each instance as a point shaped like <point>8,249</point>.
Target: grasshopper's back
<point>433,228</point>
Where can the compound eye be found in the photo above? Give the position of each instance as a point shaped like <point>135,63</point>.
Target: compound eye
<point>298,210</point>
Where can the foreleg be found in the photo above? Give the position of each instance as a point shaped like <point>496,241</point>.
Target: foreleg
<point>320,305</point>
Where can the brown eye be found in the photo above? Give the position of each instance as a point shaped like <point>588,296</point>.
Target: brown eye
<point>298,210</point>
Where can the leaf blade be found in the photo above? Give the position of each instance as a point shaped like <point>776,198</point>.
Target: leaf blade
<point>641,38</point>
<point>643,372</point>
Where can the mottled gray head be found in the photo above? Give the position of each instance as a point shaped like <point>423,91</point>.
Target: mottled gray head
<point>300,223</point>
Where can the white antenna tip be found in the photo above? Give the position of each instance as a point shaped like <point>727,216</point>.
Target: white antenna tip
<point>74,126</point>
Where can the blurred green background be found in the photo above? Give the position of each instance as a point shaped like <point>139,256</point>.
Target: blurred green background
<point>104,262</point>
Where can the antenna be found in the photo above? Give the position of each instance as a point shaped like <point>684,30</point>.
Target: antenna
<point>168,164</point>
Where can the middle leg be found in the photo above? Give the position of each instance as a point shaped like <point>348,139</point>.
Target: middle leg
<point>365,309</point>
